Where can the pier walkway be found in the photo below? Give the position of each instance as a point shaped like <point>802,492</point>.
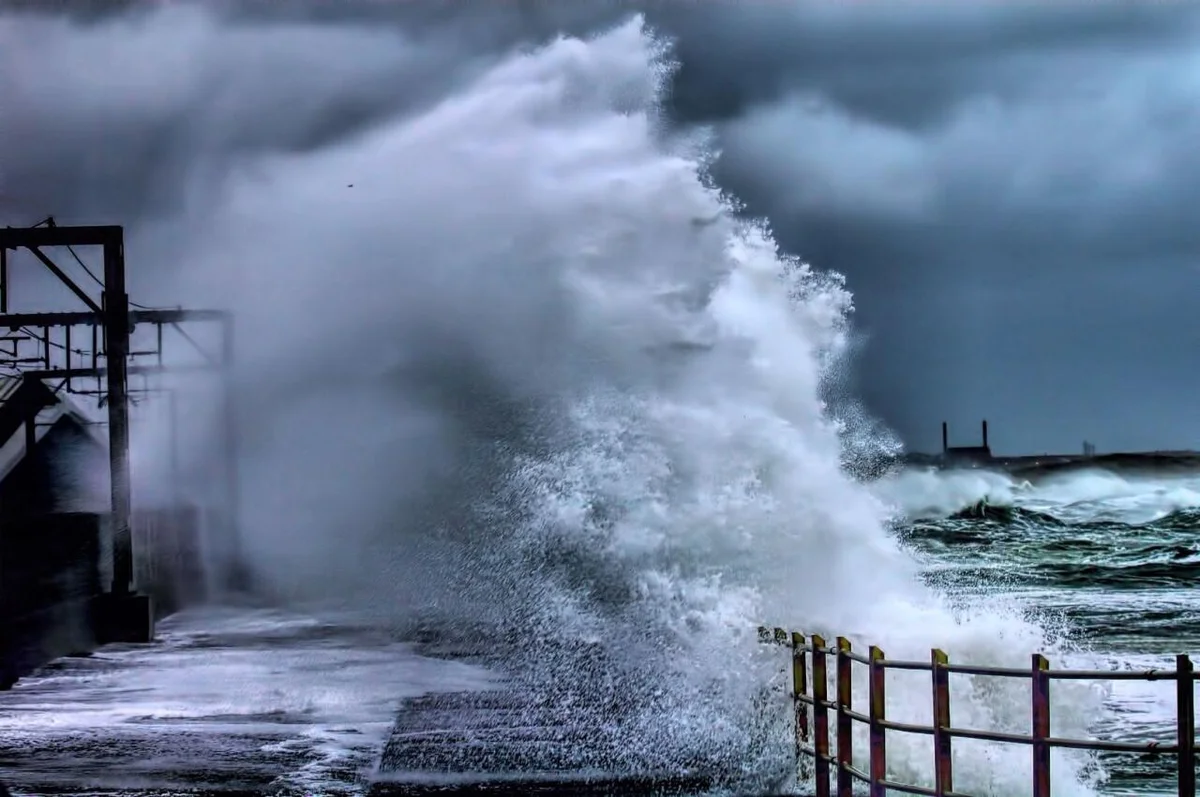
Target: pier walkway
<point>226,701</point>
<point>265,702</point>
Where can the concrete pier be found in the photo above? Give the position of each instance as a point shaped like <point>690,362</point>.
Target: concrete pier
<point>123,618</point>
<point>226,701</point>
<point>507,743</point>
<point>266,702</point>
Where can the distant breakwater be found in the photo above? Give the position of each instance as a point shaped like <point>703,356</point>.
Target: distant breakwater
<point>1036,464</point>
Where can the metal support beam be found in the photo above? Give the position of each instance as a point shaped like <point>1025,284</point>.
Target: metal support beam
<point>79,318</point>
<point>230,452</point>
<point>70,283</point>
<point>173,432</point>
<point>32,237</point>
<point>99,372</point>
<point>116,338</point>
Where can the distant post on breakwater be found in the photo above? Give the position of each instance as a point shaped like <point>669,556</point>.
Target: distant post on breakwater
<point>965,454</point>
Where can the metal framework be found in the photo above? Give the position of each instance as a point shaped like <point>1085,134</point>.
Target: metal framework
<point>810,688</point>
<point>107,326</point>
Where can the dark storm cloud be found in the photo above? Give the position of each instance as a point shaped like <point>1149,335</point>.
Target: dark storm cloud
<point>1009,188</point>
<point>107,111</point>
<point>127,137</point>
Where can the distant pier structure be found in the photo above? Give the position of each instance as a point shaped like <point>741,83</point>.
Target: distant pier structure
<point>965,455</point>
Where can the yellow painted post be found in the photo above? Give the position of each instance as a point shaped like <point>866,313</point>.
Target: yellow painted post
<point>800,689</point>
<point>943,769</point>
<point>820,717</point>
<point>878,732</point>
<point>1185,712</point>
<point>845,728</point>
<point>1040,680</point>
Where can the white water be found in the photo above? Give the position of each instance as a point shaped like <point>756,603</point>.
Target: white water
<point>529,366</point>
<point>1133,626</point>
<point>1079,496</point>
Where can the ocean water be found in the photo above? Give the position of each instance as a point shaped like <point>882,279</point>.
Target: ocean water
<point>1107,559</point>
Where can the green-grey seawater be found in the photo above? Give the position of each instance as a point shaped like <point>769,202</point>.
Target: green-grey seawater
<point>1109,559</point>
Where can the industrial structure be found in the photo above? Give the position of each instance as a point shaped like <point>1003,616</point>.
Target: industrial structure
<point>48,519</point>
<point>965,454</point>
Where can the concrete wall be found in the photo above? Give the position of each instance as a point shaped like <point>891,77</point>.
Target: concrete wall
<point>49,572</point>
<point>167,557</point>
<point>52,566</point>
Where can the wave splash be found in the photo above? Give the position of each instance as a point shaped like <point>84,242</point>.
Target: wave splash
<point>1094,495</point>
<point>591,411</point>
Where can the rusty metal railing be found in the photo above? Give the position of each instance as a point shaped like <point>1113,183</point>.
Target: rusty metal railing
<point>812,739</point>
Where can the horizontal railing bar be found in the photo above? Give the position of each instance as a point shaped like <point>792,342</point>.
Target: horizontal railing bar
<point>858,774</point>
<point>1073,744</point>
<point>897,664</point>
<point>1114,675</point>
<point>1114,747</point>
<point>988,736</point>
<point>908,789</point>
<point>861,659</point>
<point>905,727</point>
<point>1008,672</point>
<point>999,672</point>
<point>854,715</point>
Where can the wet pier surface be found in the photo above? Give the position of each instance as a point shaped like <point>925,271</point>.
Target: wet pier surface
<point>226,702</point>
<point>505,742</point>
<point>266,702</point>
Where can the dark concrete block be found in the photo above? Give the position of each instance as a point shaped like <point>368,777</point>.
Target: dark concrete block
<point>563,785</point>
<point>123,618</point>
<point>168,564</point>
<point>32,639</point>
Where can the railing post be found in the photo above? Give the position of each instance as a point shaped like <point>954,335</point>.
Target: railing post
<point>1185,714</point>
<point>943,768</point>
<point>845,727</point>
<point>1040,680</point>
<point>800,689</point>
<point>878,732</point>
<point>820,717</point>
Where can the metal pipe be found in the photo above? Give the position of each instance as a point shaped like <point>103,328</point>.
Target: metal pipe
<point>116,345</point>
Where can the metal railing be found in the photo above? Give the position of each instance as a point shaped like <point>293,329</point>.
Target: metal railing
<point>812,738</point>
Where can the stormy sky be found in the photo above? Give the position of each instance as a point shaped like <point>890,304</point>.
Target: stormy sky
<point>1008,188</point>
